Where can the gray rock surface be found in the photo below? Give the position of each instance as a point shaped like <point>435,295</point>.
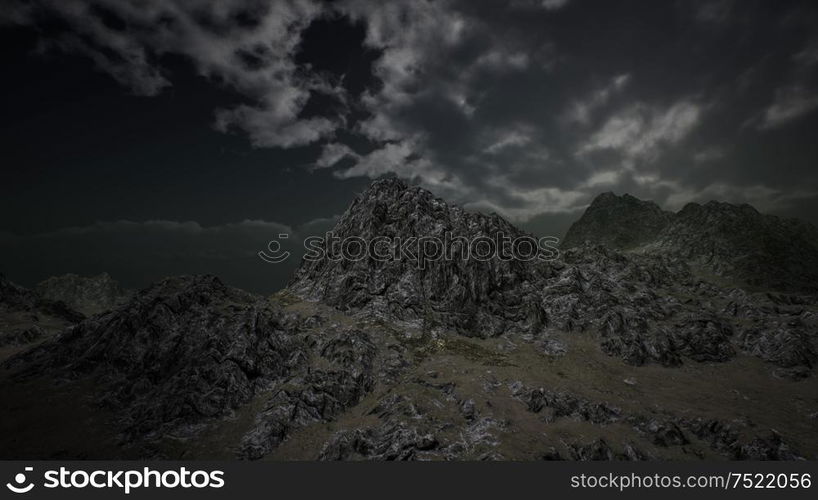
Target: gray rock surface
<point>319,395</point>
<point>183,350</point>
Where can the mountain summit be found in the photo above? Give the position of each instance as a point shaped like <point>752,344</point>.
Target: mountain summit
<point>620,222</point>
<point>480,297</point>
<point>734,242</point>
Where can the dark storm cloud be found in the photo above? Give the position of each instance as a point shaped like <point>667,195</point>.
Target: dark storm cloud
<point>247,45</point>
<point>526,107</point>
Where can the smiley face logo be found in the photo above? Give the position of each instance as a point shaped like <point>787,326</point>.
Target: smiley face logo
<point>274,254</point>
<point>20,480</point>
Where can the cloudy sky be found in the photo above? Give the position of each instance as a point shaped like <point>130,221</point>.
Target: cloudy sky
<point>155,137</point>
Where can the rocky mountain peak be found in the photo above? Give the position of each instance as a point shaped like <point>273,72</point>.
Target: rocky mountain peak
<point>719,209</point>
<point>385,186</point>
<point>609,198</point>
<point>461,293</point>
<point>734,241</point>
<point>620,222</point>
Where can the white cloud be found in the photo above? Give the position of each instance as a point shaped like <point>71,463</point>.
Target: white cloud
<point>454,86</point>
<point>428,50</point>
<point>640,131</point>
<point>505,140</point>
<point>581,110</point>
<point>332,153</point>
<point>499,59</point>
<point>602,178</point>
<point>267,127</point>
<point>407,33</point>
<point>433,51</point>
<point>790,102</point>
<point>528,203</point>
<point>394,157</point>
<point>708,155</point>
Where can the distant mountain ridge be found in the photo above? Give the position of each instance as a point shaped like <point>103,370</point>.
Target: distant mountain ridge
<point>89,295</point>
<point>732,241</point>
<point>25,316</point>
<point>619,222</point>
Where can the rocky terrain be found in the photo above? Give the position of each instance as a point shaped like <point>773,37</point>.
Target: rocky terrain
<point>27,317</point>
<point>629,345</point>
<point>89,295</point>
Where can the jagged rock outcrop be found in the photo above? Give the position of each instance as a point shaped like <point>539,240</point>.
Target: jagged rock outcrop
<point>407,429</point>
<point>180,351</point>
<point>638,341</point>
<point>190,350</point>
<point>723,438</point>
<point>555,404</point>
<point>599,450</point>
<point>319,395</point>
<point>89,295</point>
<point>662,433</point>
<point>786,344</point>
<point>389,442</point>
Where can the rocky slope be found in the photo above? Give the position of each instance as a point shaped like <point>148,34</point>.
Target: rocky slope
<point>191,350</point>
<point>738,242</point>
<point>735,242</point>
<point>26,317</point>
<point>89,295</point>
<point>597,354</point>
